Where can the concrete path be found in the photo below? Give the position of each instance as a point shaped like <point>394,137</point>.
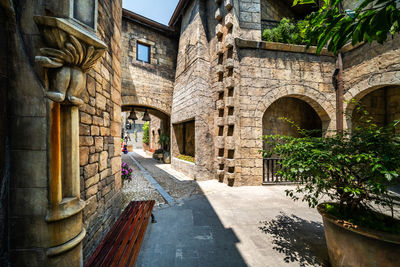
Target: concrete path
<point>242,226</point>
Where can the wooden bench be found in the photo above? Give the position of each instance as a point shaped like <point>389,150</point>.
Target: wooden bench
<point>120,247</point>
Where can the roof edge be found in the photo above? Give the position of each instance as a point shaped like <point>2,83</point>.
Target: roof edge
<point>146,21</point>
<point>177,12</point>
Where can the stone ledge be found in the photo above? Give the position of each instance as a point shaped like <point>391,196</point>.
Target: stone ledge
<point>241,43</point>
<point>183,166</point>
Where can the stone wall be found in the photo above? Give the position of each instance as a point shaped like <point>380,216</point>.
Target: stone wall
<point>249,12</point>
<point>27,117</point>
<point>148,84</point>
<point>266,76</point>
<point>382,105</point>
<point>28,112</point>
<point>4,178</point>
<point>100,132</point>
<point>370,67</point>
<point>275,10</point>
<point>193,98</point>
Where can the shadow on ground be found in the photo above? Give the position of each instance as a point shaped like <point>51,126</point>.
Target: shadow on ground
<point>300,240</point>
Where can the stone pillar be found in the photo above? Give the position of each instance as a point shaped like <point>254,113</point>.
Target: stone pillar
<point>69,54</point>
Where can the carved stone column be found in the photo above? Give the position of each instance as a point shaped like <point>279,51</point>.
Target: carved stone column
<point>71,51</point>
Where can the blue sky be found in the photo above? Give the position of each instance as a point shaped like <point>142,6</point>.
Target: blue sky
<point>158,10</point>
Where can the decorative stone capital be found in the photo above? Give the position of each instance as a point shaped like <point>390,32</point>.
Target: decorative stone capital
<point>71,51</point>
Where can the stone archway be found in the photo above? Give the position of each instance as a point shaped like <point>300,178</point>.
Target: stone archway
<point>295,110</point>
<point>366,86</point>
<point>322,103</point>
<point>382,104</point>
<point>159,125</point>
<point>147,101</point>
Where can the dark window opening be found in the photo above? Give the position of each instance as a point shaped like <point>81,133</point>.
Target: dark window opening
<point>220,58</point>
<point>230,52</point>
<point>231,169</point>
<point>220,95</point>
<point>220,152</point>
<point>230,72</point>
<point>231,91</point>
<point>220,130</point>
<point>185,137</point>
<point>221,167</point>
<point>230,111</point>
<point>231,128</point>
<point>221,112</point>
<point>231,153</point>
<point>220,77</point>
<point>143,52</point>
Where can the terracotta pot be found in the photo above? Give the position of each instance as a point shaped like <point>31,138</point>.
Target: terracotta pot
<point>145,146</point>
<point>359,247</point>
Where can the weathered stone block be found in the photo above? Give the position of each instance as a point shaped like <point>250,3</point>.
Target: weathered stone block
<point>99,143</point>
<point>103,160</point>
<point>85,140</point>
<point>92,180</point>
<point>85,118</point>
<point>91,169</point>
<point>83,155</point>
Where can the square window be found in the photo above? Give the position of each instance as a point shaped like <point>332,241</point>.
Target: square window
<point>143,52</point>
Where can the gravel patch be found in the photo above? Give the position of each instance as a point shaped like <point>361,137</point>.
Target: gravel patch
<point>139,188</point>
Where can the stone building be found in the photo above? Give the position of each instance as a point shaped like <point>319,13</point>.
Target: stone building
<point>230,87</point>
<point>60,76</point>
<point>208,78</point>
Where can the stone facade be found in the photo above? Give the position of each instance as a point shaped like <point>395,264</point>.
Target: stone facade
<point>249,78</point>
<point>193,97</point>
<point>31,236</point>
<point>211,71</point>
<point>147,84</point>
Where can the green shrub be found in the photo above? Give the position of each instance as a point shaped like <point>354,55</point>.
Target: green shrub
<point>146,137</point>
<point>186,157</point>
<point>287,32</point>
<point>353,168</point>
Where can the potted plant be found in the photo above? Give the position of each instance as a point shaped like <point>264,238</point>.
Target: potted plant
<point>146,136</point>
<point>164,142</point>
<point>346,176</point>
<point>126,173</point>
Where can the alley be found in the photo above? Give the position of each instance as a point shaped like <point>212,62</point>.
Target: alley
<point>211,224</point>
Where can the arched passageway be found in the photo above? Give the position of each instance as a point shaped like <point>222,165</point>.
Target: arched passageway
<point>381,105</point>
<point>296,110</point>
<point>158,130</point>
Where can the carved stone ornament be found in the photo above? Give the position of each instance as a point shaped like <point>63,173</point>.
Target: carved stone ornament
<point>72,51</point>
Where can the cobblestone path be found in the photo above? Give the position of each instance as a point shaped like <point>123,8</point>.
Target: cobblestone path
<point>177,185</point>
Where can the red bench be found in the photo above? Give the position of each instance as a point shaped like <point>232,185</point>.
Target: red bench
<point>120,247</point>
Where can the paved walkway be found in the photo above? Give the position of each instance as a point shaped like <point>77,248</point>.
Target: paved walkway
<point>211,224</point>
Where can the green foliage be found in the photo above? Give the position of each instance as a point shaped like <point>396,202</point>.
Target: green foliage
<point>146,134</point>
<point>372,20</point>
<point>353,168</point>
<point>186,157</point>
<point>164,141</point>
<point>287,32</point>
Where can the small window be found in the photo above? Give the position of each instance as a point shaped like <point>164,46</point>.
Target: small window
<point>143,52</point>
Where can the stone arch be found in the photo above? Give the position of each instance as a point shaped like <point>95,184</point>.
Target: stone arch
<point>320,102</point>
<point>146,101</point>
<point>366,86</point>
